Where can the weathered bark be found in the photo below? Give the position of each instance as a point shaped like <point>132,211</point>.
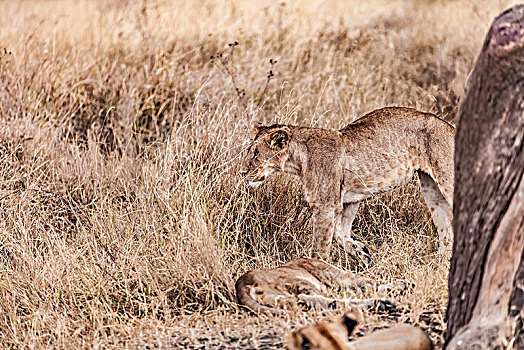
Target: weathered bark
<point>487,273</point>
<point>517,306</point>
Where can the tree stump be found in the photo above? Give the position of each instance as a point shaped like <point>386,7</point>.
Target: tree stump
<point>486,281</point>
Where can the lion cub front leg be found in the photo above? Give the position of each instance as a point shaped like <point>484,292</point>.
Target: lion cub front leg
<point>343,234</point>
<point>323,219</point>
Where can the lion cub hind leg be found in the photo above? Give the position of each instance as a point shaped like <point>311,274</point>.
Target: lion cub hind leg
<point>332,276</point>
<point>320,302</point>
<point>380,305</point>
<point>441,212</point>
<point>343,235</point>
<point>393,287</point>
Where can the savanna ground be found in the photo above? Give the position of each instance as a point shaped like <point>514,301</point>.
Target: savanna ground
<point>124,222</point>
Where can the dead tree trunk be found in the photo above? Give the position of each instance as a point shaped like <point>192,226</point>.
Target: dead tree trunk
<point>486,281</point>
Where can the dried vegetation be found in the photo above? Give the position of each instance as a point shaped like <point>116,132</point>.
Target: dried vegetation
<point>123,220</point>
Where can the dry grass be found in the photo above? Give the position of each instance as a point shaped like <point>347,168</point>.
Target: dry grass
<point>123,220</point>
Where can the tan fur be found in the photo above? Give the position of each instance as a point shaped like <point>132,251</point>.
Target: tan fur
<point>334,336</point>
<point>305,282</point>
<point>374,154</point>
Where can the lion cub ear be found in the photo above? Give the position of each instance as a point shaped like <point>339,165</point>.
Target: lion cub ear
<point>350,321</point>
<point>279,138</point>
<point>257,128</point>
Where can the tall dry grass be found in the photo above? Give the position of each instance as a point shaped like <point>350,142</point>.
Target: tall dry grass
<point>123,218</point>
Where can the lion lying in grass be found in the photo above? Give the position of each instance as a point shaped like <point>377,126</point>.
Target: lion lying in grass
<point>335,335</point>
<point>306,282</point>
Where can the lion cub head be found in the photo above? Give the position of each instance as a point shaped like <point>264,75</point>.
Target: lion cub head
<point>266,154</point>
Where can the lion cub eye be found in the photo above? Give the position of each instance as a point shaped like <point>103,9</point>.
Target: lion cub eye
<point>255,153</point>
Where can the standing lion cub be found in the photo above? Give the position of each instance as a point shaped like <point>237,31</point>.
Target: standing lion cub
<point>374,154</point>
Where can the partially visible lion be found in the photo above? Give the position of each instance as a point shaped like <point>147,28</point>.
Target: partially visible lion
<point>306,282</point>
<point>335,336</point>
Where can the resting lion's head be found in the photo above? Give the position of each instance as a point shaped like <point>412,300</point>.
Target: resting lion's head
<point>267,153</point>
